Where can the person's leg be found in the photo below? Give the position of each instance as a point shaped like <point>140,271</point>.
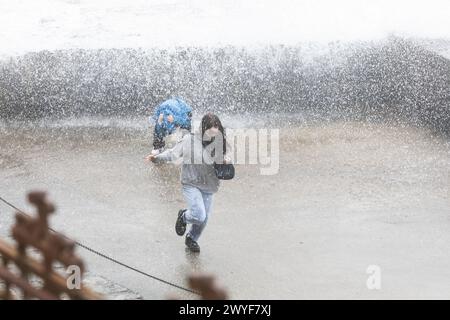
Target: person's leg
<point>197,229</point>
<point>196,213</point>
<point>159,134</point>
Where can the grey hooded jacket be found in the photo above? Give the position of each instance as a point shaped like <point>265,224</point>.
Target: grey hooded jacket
<point>197,169</point>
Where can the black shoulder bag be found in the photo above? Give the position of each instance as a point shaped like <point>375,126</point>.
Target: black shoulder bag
<point>224,171</point>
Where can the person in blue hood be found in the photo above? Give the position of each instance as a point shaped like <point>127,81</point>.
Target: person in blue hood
<point>168,116</point>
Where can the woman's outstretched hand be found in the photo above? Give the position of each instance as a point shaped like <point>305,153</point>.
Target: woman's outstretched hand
<point>150,157</point>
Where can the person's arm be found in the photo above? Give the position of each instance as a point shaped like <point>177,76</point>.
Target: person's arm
<point>169,154</point>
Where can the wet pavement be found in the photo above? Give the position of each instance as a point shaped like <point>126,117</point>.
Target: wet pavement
<point>347,196</point>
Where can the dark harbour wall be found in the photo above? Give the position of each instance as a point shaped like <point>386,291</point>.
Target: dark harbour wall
<point>395,79</point>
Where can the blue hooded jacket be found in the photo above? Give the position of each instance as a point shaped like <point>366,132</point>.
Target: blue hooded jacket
<point>180,111</point>
<point>182,114</point>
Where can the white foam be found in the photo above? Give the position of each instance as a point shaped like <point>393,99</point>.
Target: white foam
<point>29,25</point>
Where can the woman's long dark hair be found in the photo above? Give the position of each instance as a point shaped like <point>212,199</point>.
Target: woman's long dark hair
<point>209,121</point>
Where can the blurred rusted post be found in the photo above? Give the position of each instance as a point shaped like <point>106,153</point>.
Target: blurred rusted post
<point>207,286</point>
<point>29,232</point>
